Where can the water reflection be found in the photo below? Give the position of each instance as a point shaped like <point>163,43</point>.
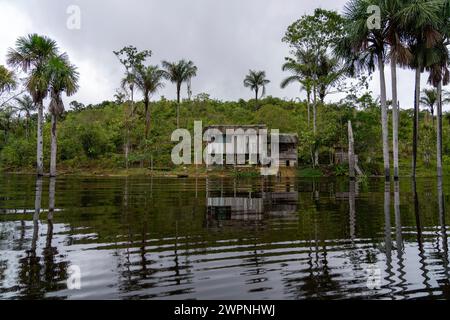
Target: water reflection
<point>222,238</point>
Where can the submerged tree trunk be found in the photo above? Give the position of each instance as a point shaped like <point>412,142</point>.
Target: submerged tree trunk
<point>395,116</point>
<point>384,118</point>
<point>54,146</point>
<point>416,121</point>
<point>439,130</point>
<point>40,140</point>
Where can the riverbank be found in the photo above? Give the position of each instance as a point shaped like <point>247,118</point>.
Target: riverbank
<point>202,172</point>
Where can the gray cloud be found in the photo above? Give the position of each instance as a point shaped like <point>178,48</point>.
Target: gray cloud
<point>224,38</point>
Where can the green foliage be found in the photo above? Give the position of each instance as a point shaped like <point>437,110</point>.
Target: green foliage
<point>19,153</point>
<point>94,137</point>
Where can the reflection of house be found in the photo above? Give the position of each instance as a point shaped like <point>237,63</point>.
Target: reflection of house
<point>240,145</point>
<point>252,206</point>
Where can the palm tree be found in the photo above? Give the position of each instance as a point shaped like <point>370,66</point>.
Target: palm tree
<point>32,53</point>
<point>301,68</point>
<point>256,80</point>
<point>25,104</point>
<point>439,59</point>
<point>363,48</point>
<point>178,73</point>
<point>420,19</point>
<point>7,80</point>
<point>428,100</point>
<point>149,80</point>
<point>119,96</point>
<point>127,83</point>
<point>398,54</point>
<point>62,77</point>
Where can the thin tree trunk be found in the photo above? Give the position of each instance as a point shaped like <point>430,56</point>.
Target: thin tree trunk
<point>416,121</point>
<point>147,117</point>
<point>395,116</point>
<point>439,130</point>
<point>308,105</point>
<point>351,152</point>
<point>178,104</point>
<point>432,114</point>
<point>316,151</point>
<point>315,112</point>
<point>384,118</point>
<point>40,140</point>
<point>54,147</point>
<point>27,132</point>
<point>256,94</point>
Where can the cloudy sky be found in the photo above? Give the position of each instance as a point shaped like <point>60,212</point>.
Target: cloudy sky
<point>224,38</point>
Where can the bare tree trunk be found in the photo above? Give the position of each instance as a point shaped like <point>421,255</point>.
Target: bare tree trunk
<point>439,130</point>
<point>147,117</point>
<point>54,146</point>
<point>351,152</point>
<point>40,140</point>
<point>315,112</point>
<point>308,105</point>
<point>395,116</point>
<point>416,121</point>
<point>384,118</point>
<point>178,104</point>
<point>316,151</point>
<point>27,132</point>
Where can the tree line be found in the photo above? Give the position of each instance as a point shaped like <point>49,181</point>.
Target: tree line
<point>329,53</point>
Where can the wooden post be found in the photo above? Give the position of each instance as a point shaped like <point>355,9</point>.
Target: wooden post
<point>351,152</point>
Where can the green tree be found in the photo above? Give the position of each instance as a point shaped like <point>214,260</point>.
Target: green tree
<point>149,79</point>
<point>256,80</point>
<point>429,99</point>
<point>363,49</point>
<point>178,73</point>
<point>399,53</point>
<point>32,53</point>
<point>438,59</point>
<point>131,59</point>
<point>25,104</point>
<point>8,80</point>
<point>62,77</point>
<point>301,69</point>
<point>420,19</point>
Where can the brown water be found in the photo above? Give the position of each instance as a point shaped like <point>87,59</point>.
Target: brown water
<point>222,239</point>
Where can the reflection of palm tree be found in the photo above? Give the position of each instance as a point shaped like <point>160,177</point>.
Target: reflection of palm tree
<point>387,232</point>
<point>422,257</point>
<point>399,238</point>
<point>441,209</point>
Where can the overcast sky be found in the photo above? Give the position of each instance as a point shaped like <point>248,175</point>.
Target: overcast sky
<point>224,38</point>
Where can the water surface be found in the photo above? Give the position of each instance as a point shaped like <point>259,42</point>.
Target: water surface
<point>155,238</point>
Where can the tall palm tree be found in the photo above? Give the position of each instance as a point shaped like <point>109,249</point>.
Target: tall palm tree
<point>440,75</point>
<point>62,77</point>
<point>8,80</point>
<point>301,67</point>
<point>399,54</point>
<point>178,73</point>
<point>420,19</point>
<point>25,104</point>
<point>149,80</point>
<point>256,80</point>
<point>365,48</point>
<point>32,53</point>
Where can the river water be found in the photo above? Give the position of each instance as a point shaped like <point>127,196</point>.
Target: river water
<point>155,238</point>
